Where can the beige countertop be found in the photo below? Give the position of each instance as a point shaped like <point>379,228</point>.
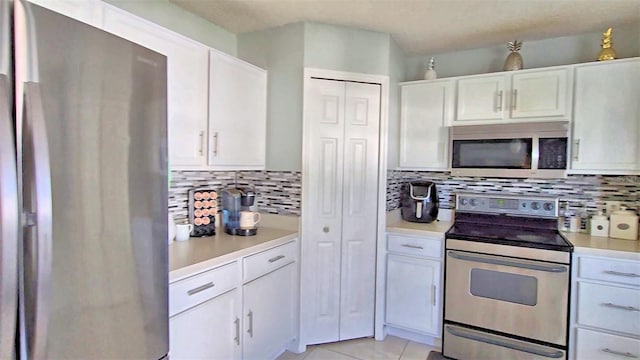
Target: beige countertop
<point>187,258</point>
<point>605,246</point>
<point>436,228</point>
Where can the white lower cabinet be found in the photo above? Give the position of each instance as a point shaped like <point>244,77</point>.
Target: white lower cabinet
<point>269,314</point>
<point>216,315</point>
<point>605,308</point>
<point>210,330</point>
<point>413,284</point>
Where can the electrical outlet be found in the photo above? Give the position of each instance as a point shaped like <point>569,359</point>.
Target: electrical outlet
<point>612,206</point>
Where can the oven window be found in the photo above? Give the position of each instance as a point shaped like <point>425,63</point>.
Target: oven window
<point>494,153</point>
<point>519,289</point>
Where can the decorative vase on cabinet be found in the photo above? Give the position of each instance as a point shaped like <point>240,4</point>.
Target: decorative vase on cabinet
<point>514,60</point>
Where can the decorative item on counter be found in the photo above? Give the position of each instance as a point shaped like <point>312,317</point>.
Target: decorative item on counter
<point>514,60</point>
<point>624,224</point>
<point>599,225</point>
<point>607,52</point>
<point>574,223</point>
<point>431,74</point>
<point>562,217</point>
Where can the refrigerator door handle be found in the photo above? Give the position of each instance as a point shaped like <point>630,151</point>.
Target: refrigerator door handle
<point>9,224</point>
<point>38,222</point>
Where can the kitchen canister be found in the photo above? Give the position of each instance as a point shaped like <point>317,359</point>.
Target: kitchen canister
<point>624,224</point>
<point>599,225</point>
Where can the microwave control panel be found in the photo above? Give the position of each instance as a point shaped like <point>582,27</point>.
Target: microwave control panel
<point>552,153</point>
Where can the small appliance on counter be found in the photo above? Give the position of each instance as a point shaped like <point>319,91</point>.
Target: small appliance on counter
<point>203,207</point>
<point>239,214</point>
<point>419,201</point>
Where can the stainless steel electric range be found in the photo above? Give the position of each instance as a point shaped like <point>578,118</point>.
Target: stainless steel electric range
<point>507,273</point>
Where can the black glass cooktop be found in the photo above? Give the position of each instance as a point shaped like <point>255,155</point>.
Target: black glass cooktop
<point>506,230</point>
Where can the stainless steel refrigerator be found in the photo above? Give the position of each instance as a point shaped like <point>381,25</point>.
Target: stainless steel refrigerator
<point>83,191</point>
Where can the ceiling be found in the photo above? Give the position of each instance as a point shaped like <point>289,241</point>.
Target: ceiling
<point>423,27</point>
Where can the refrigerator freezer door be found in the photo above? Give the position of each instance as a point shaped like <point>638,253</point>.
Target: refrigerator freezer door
<point>104,102</point>
<point>9,222</point>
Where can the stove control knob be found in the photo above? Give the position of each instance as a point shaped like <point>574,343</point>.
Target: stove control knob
<point>474,202</point>
<point>464,201</point>
<point>548,206</point>
<point>535,205</point>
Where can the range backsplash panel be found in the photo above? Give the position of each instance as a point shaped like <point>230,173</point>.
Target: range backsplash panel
<point>576,192</point>
<point>278,192</point>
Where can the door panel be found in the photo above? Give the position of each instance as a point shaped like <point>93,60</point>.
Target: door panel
<point>362,108</point>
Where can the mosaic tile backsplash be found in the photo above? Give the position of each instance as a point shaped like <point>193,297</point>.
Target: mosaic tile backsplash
<point>278,192</point>
<point>577,192</point>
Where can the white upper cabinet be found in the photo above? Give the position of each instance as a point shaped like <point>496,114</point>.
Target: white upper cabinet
<point>514,96</point>
<point>426,111</point>
<point>86,11</point>
<point>238,113</point>
<point>606,123</point>
<point>187,87</point>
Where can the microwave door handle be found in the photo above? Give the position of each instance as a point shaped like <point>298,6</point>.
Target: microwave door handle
<point>9,218</point>
<point>488,339</point>
<point>504,262</point>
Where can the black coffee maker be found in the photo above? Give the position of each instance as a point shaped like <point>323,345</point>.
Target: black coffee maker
<point>419,201</point>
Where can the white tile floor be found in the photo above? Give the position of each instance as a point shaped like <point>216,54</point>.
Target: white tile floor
<point>392,348</point>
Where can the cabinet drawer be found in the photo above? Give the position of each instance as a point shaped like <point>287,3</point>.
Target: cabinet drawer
<point>609,307</point>
<point>417,246</point>
<point>197,289</point>
<point>266,261</point>
<point>619,271</point>
<point>595,345</point>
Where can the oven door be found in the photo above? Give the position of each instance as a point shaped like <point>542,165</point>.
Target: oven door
<point>526,298</point>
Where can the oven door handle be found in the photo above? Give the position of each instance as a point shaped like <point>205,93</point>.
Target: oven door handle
<point>511,262</point>
<point>503,343</point>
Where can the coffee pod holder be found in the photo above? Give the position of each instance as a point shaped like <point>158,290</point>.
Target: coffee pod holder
<point>203,207</point>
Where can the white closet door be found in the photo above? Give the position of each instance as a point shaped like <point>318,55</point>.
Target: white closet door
<point>339,210</point>
<point>359,209</point>
<point>322,230</point>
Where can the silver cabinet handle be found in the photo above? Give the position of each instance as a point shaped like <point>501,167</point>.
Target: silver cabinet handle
<point>621,307</point>
<point>215,143</point>
<point>201,288</point>
<point>237,338</point>
<point>489,339</point>
<point>9,219</point>
<point>274,259</point>
<point>37,206</point>
<point>250,329</point>
<point>201,150</point>
<point>576,149</point>
<point>412,246</point>
<point>493,260</point>
<point>499,101</point>
<point>514,104</point>
<point>619,353</point>
<point>617,273</point>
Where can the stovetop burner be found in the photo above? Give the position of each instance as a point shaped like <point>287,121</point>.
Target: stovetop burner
<point>508,230</point>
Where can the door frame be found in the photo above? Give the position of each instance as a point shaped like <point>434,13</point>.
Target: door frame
<point>383,81</point>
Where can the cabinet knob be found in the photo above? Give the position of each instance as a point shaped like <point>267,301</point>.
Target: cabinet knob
<point>325,229</point>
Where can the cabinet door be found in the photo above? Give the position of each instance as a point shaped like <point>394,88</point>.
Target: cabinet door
<point>187,73</point>
<point>426,111</point>
<point>413,288</point>
<point>238,113</point>
<point>606,122</point>
<point>210,330</point>
<point>539,94</point>
<point>87,11</point>
<point>269,313</point>
<point>481,98</point>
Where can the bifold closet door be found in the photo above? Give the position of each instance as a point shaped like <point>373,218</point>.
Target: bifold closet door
<point>339,228</point>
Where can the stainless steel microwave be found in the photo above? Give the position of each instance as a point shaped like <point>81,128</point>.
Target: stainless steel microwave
<point>521,150</point>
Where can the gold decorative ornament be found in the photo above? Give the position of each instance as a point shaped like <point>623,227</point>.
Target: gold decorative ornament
<point>607,52</point>
<point>514,60</point>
